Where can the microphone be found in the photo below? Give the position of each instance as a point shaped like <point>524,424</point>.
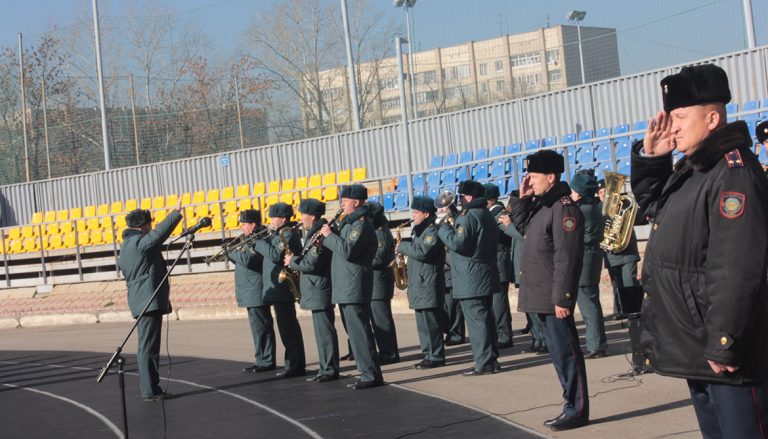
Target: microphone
<point>203,223</point>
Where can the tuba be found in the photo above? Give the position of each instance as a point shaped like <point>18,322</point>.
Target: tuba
<point>292,277</point>
<point>619,211</point>
<point>447,198</point>
<point>399,265</point>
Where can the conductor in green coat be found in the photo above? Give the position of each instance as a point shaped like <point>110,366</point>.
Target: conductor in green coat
<point>248,293</point>
<point>352,280</point>
<point>144,269</point>
<point>426,280</point>
<point>277,294</point>
<point>314,264</point>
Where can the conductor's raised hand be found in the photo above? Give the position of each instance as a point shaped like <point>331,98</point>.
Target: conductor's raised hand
<point>526,188</point>
<point>658,136</point>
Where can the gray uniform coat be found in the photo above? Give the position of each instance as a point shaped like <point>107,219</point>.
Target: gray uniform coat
<point>271,249</point>
<point>383,278</point>
<point>426,259</point>
<point>351,265</point>
<point>315,268</point>
<point>248,278</point>
<point>503,247</point>
<point>593,234</point>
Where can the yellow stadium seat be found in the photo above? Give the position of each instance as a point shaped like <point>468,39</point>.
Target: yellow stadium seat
<point>178,229</point>
<point>69,240</point>
<point>14,233</point>
<point>230,206</point>
<point>158,202</point>
<point>171,200</point>
<point>120,221</point>
<point>37,217</point>
<point>108,236</point>
<point>93,223</point>
<point>119,235</point>
<point>55,242</point>
<point>228,193</point>
<point>27,231</point>
<point>244,190</point>
<point>331,193</point>
<point>31,245</point>
<point>131,205</point>
<point>245,204</point>
<point>53,229</point>
<point>315,180</point>
<point>46,243</point>
<point>272,199</point>
<point>65,227</point>
<point>90,211</point>
<point>49,216</point>
<point>158,216</point>
<point>213,195</point>
<point>287,195</point>
<point>146,203</point>
<point>189,212</point>
<point>216,224</point>
<point>316,193</point>
<point>198,197</point>
<point>232,221</point>
<point>116,207</point>
<point>201,211</point>
<point>186,198</point>
<point>96,237</point>
<point>273,186</point>
<point>344,176</point>
<point>329,178</point>
<point>16,245</point>
<point>358,174</point>
<point>62,215</point>
<point>75,213</point>
<point>106,223</point>
<point>84,238</point>
<point>102,209</point>
<point>215,209</point>
<point>259,188</point>
<point>287,184</point>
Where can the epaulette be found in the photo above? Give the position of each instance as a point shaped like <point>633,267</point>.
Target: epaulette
<point>362,218</point>
<point>566,200</point>
<point>733,159</point>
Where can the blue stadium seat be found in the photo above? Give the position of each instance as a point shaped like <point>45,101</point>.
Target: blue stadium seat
<point>450,159</point>
<point>603,151</point>
<point>481,154</point>
<point>418,182</point>
<point>532,144</point>
<point>389,201</point>
<point>511,184</point>
<point>418,193</point>
<point>750,106</point>
<point>498,168</point>
<point>514,148</point>
<point>402,183</point>
<point>573,153</point>
<point>373,199</point>
<point>480,172</point>
<point>462,174</point>
<point>447,177</point>
<point>731,108</point>
<point>433,192</point>
<point>620,133</point>
<point>601,169</point>
<point>751,125</point>
<point>550,141</point>
<point>763,156</point>
<point>401,201</point>
<point>641,126</point>
<point>603,132</point>
<point>585,156</point>
<point>764,113</point>
<point>569,138</point>
<point>465,156</point>
<point>586,135</point>
<point>436,162</point>
<point>497,151</point>
<point>433,179</point>
<point>623,150</point>
<point>624,167</point>
<point>502,184</point>
<point>521,167</point>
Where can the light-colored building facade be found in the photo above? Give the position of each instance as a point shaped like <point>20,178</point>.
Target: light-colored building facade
<point>472,74</point>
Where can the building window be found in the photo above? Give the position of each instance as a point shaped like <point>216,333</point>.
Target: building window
<point>555,75</point>
<point>499,85</point>
<point>389,84</point>
<point>525,59</point>
<point>484,88</point>
<point>387,104</point>
<point>427,96</point>
<point>457,92</point>
<point>332,94</point>
<point>553,56</point>
<point>425,77</point>
<point>499,66</point>
<point>483,69</point>
<point>456,72</point>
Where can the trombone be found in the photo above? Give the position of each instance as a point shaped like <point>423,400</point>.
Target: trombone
<point>242,242</point>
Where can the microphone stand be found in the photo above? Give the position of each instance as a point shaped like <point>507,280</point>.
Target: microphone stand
<point>117,358</point>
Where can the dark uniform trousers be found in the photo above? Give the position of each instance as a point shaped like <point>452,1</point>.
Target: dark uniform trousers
<point>626,287</point>
<point>148,353</point>
<point>563,343</point>
<point>384,329</point>
<point>358,318</point>
<point>290,334</point>
<point>537,333</point>
<point>455,330</point>
<point>430,334</point>
<point>482,332</point>
<point>730,411</point>
<point>327,341</point>
<point>263,331</point>
<point>588,300</point>
<point>502,315</point>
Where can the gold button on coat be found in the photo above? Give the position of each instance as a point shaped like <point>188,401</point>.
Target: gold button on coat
<point>723,341</point>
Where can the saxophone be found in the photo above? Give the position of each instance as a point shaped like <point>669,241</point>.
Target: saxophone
<point>619,212</point>
<point>399,265</point>
<point>288,275</point>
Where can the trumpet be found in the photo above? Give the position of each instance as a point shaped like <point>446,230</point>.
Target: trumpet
<point>399,265</point>
<point>239,244</point>
<point>447,198</point>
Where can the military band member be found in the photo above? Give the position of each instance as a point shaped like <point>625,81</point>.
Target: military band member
<point>248,292</point>
<point>452,317</point>
<point>583,188</point>
<point>426,280</point>
<point>500,306</point>
<point>314,264</point>
<point>277,294</point>
<point>352,280</point>
<point>553,228</point>
<point>475,276</point>
<point>383,288</point>
<point>704,272</point>
<point>143,266</point>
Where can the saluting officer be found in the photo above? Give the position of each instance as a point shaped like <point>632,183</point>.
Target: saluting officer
<point>426,280</point>
<point>500,306</point>
<point>352,281</point>
<point>475,276</point>
<point>314,263</point>
<point>583,187</point>
<point>143,266</point>
<point>553,228</point>
<point>383,288</point>
<point>706,259</point>
<point>277,294</point>
<point>248,292</point>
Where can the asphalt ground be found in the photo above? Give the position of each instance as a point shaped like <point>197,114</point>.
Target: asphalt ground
<point>48,389</point>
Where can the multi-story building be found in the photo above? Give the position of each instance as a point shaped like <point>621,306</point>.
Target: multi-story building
<point>471,74</point>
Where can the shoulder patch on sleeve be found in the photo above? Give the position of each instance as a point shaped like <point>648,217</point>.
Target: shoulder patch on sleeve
<point>566,201</point>
<point>429,239</point>
<point>460,230</point>
<point>733,159</point>
<point>569,223</point>
<point>354,234</point>
<point>732,204</point>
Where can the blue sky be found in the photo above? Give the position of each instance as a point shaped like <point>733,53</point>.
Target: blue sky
<point>651,33</point>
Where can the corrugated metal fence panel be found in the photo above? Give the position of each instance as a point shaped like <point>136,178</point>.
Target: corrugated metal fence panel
<point>430,137</point>
<point>379,150</point>
<point>17,203</point>
<point>746,74</point>
<point>312,156</point>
